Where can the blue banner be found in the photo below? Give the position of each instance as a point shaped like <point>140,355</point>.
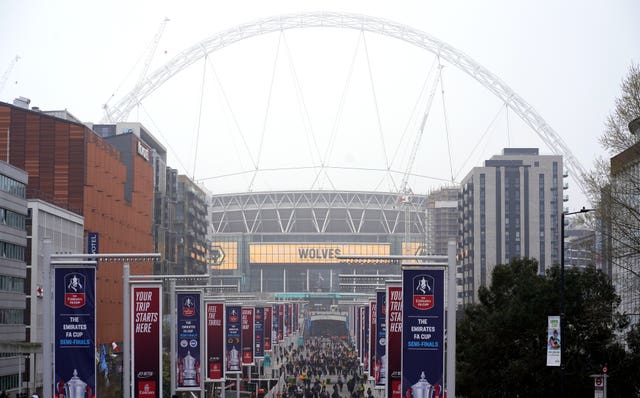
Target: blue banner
<point>188,345</point>
<point>233,347</point>
<point>422,332</point>
<point>379,372</point>
<point>259,332</point>
<point>75,325</point>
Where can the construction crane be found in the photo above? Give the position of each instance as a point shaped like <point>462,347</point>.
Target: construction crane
<point>151,50</point>
<point>406,192</point>
<point>6,74</point>
<point>404,188</point>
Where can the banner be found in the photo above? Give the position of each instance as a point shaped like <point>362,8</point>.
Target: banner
<point>294,317</point>
<point>379,371</point>
<point>373,319</point>
<point>553,341</point>
<point>277,323</point>
<point>75,325</point>
<point>247,336</point>
<point>188,345</point>
<point>287,320</point>
<point>359,333</point>
<point>215,340</point>
<point>268,327</point>
<point>233,347</point>
<point>394,342</point>
<point>365,339</point>
<point>312,253</point>
<point>259,332</point>
<point>423,332</point>
<point>146,340</point>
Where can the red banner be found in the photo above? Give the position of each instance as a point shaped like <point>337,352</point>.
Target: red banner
<point>146,342</point>
<point>247,335</point>
<point>372,338</point>
<point>267,328</point>
<point>215,340</point>
<point>394,342</point>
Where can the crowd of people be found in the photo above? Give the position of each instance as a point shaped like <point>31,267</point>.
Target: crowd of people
<point>322,367</point>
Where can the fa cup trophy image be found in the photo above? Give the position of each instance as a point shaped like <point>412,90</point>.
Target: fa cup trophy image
<point>188,371</point>
<point>74,388</point>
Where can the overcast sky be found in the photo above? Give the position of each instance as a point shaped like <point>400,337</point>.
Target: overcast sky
<point>565,58</point>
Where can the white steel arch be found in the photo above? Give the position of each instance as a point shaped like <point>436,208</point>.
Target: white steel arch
<point>385,27</point>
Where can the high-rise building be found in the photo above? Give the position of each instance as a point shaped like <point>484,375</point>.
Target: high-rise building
<point>510,208</point>
<point>191,226</point>
<point>13,273</point>
<point>71,166</point>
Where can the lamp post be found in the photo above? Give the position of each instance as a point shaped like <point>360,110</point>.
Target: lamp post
<point>562,294</point>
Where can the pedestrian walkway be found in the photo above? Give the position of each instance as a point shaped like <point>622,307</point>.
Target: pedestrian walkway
<point>322,367</point>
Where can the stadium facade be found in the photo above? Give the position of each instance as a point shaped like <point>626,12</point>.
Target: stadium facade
<point>288,241</point>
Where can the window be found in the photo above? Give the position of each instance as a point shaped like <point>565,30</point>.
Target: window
<point>11,251</point>
<point>13,187</point>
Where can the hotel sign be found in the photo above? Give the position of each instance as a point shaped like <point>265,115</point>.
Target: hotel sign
<point>311,253</point>
<point>143,151</point>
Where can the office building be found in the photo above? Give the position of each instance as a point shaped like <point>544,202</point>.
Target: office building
<point>13,275</point>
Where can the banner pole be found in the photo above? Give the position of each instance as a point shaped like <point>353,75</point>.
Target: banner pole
<point>126,338</point>
<point>451,320</point>
<point>47,357</point>
<point>172,328</point>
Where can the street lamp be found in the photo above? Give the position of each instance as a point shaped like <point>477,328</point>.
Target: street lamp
<point>562,293</point>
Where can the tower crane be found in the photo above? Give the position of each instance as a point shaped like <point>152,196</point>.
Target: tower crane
<point>6,74</point>
<point>404,185</point>
<point>151,50</point>
<point>405,190</point>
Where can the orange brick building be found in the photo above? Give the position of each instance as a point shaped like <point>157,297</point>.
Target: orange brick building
<point>71,166</point>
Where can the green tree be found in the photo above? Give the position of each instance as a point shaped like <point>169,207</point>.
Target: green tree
<point>502,339</point>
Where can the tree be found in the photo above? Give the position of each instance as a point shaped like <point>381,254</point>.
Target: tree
<point>614,188</point>
<point>617,137</point>
<point>502,339</point>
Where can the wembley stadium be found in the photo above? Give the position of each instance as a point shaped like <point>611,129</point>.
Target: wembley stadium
<point>288,241</point>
